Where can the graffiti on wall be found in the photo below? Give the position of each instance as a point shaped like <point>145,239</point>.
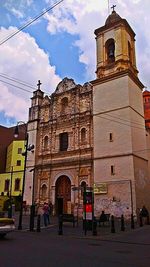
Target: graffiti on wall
<point>114,207</point>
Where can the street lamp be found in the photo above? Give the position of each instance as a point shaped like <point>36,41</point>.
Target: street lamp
<point>10,195</point>
<point>27,148</point>
<point>32,209</point>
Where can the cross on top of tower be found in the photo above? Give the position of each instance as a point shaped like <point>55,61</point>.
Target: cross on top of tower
<point>113,7</point>
<point>39,84</point>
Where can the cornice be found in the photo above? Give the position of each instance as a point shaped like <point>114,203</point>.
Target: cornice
<point>117,75</point>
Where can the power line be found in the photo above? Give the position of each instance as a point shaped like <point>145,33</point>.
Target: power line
<point>97,114</point>
<point>142,150</point>
<point>20,82</point>
<point>119,118</point>
<point>17,86</point>
<point>30,22</point>
<point>30,86</point>
<point>16,80</point>
<point>120,122</point>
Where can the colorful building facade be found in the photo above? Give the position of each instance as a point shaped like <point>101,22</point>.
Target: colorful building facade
<point>11,179</point>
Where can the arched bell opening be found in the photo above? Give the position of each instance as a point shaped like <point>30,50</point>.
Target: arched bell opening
<point>130,53</point>
<point>110,51</point>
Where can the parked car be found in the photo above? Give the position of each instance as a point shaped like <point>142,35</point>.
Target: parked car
<point>6,225</point>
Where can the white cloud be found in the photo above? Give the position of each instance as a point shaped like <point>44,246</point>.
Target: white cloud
<point>83,17</point>
<point>22,58</point>
<point>17,13</point>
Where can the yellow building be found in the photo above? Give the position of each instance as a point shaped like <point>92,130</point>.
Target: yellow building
<point>11,180</point>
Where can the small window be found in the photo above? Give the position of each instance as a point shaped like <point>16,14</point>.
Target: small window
<point>6,187</point>
<point>44,190</point>
<point>83,135</point>
<point>112,169</point>
<point>18,163</point>
<point>17,184</point>
<point>130,52</point>
<point>110,137</point>
<point>63,138</point>
<point>46,142</point>
<point>64,104</point>
<point>19,150</point>
<point>83,187</point>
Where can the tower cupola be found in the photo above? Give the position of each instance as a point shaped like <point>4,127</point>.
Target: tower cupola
<point>115,47</point>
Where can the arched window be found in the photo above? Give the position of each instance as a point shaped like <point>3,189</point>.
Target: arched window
<point>64,104</point>
<point>46,142</point>
<point>44,190</point>
<point>130,52</point>
<point>83,187</point>
<point>63,139</point>
<point>110,51</point>
<point>83,135</point>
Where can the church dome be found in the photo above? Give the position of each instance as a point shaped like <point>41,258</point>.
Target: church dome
<point>112,18</point>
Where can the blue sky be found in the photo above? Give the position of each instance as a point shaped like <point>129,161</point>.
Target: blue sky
<point>60,44</point>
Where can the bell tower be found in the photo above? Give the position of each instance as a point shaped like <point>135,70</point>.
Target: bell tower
<point>119,136</point>
<point>36,101</point>
<point>115,46</point>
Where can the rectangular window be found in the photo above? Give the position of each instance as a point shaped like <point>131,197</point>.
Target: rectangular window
<point>63,138</point>
<point>112,169</point>
<point>6,186</point>
<point>17,184</point>
<point>19,150</point>
<point>18,163</point>
<point>110,137</point>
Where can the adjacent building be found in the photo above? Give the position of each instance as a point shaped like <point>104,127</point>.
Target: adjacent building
<point>146,101</point>
<point>11,179</point>
<point>11,163</point>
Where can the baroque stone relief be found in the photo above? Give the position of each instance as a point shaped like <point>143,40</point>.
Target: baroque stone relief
<point>44,114</point>
<point>86,87</point>
<point>46,101</point>
<point>65,85</point>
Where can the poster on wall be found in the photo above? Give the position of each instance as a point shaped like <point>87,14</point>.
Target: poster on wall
<point>100,188</point>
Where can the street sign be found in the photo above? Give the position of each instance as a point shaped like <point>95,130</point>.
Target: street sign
<point>77,188</point>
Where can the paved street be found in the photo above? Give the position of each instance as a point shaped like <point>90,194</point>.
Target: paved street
<point>48,249</point>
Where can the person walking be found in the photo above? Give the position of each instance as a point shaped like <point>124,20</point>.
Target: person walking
<point>145,215</point>
<point>46,214</point>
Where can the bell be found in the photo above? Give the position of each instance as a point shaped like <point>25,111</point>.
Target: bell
<point>111,53</point>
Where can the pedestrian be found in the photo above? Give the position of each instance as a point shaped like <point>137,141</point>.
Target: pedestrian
<point>103,218</point>
<point>50,208</point>
<point>144,214</point>
<point>46,214</point>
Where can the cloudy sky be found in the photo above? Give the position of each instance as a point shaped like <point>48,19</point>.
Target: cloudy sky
<point>59,44</point>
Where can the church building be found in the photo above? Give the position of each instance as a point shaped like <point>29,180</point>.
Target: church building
<point>94,134</point>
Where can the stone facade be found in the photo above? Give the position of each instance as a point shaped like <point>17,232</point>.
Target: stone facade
<point>119,133</point>
<point>67,111</point>
<point>93,134</point>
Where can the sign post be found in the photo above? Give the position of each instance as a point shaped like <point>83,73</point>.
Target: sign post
<point>87,210</point>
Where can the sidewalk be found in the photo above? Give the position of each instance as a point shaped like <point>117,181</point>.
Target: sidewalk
<point>77,231</point>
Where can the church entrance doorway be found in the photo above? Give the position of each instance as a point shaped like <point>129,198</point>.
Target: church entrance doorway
<point>62,194</point>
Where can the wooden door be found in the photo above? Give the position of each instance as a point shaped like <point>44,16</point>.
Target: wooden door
<point>63,190</point>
